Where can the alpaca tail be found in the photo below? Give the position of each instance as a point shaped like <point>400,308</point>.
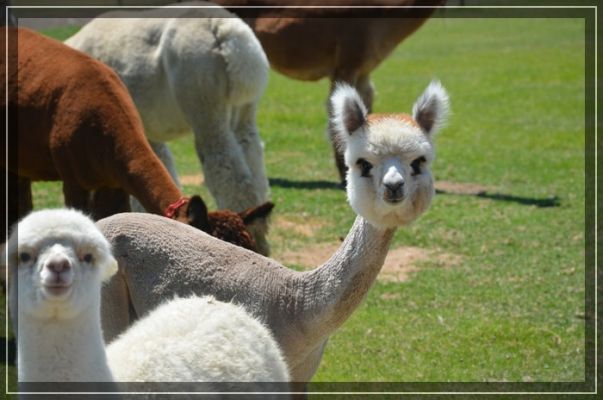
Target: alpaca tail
<point>246,63</point>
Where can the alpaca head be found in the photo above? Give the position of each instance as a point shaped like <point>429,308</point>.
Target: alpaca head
<point>389,156</point>
<point>226,225</point>
<point>57,260</point>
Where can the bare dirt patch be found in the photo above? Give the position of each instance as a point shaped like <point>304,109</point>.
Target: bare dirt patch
<point>192,179</point>
<point>399,264</point>
<point>462,188</point>
<point>306,227</point>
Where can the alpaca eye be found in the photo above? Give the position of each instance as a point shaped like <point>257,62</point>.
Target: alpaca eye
<point>24,257</point>
<point>88,258</point>
<point>416,165</point>
<point>365,167</point>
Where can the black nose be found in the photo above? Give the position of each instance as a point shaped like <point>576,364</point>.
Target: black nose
<point>395,187</point>
<point>59,265</point>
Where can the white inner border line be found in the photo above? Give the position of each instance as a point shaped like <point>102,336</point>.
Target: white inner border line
<point>8,8</point>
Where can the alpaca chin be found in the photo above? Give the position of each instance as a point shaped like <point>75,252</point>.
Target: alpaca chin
<point>383,215</point>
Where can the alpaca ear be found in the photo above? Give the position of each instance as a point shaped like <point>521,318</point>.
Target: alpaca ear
<point>109,268</point>
<point>431,108</point>
<point>250,215</point>
<point>348,111</point>
<point>196,213</point>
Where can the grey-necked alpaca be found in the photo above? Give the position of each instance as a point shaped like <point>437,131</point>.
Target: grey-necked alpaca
<point>202,69</point>
<point>389,185</point>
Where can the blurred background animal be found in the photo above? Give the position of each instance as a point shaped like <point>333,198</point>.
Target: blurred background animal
<point>201,70</point>
<point>72,119</point>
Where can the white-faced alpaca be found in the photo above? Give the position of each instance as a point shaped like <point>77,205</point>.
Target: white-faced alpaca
<point>57,261</point>
<point>200,69</point>
<point>389,185</point>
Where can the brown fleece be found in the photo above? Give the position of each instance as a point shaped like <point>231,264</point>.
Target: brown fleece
<point>72,119</point>
<point>231,227</point>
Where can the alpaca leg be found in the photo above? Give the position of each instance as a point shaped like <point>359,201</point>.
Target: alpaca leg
<point>19,205</point>
<point>248,136</point>
<point>366,90</point>
<point>76,196</point>
<point>165,155</point>
<point>227,174</point>
<point>106,202</point>
<point>252,146</point>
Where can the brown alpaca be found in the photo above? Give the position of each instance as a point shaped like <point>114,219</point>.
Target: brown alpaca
<point>231,226</point>
<point>72,119</point>
<point>314,43</point>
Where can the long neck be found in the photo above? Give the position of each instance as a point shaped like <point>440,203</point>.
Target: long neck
<point>60,350</point>
<point>334,290</point>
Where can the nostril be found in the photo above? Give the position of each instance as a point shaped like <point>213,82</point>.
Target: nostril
<point>394,187</point>
<point>59,265</point>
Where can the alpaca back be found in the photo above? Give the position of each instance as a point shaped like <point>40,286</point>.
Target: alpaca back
<point>197,339</point>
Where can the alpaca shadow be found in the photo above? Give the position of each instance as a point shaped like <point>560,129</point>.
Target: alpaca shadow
<point>526,201</point>
<point>310,185</point>
<point>11,344</point>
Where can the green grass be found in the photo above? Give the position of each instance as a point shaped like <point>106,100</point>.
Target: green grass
<point>511,311</point>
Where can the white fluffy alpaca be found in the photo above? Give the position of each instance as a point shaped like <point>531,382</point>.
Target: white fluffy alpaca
<point>57,261</point>
<point>202,69</point>
<point>231,346</point>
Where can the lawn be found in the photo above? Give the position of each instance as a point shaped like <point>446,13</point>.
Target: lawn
<point>497,293</point>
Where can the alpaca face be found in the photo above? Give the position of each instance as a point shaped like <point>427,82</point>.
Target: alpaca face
<point>389,181</point>
<point>57,260</point>
<point>389,157</point>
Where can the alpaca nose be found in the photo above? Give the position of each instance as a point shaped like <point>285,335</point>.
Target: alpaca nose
<point>395,186</point>
<point>58,265</point>
<point>394,191</point>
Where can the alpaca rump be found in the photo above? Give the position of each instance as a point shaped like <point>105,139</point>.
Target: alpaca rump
<point>71,119</point>
<point>58,260</point>
<point>389,159</point>
<point>199,70</point>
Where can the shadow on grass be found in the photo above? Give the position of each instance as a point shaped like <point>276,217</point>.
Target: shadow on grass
<point>12,350</point>
<point>321,184</point>
<point>311,185</point>
<point>526,201</point>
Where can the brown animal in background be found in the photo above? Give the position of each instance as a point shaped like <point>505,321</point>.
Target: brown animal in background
<point>314,43</point>
<point>72,119</point>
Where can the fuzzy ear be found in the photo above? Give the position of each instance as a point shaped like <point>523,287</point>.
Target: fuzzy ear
<point>108,268</point>
<point>196,213</point>
<point>431,108</point>
<point>348,111</point>
<point>252,214</point>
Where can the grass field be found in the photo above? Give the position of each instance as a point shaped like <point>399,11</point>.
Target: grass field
<point>498,293</point>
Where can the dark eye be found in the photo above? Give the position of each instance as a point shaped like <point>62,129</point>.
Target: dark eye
<point>88,258</point>
<point>24,257</point>
<point>416,165</point>
<point>365,167</point>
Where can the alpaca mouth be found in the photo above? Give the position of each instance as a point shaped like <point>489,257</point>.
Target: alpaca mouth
<point>393,199</point>
<point>57,289</point>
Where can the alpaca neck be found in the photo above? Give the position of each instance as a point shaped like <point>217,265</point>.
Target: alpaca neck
<point>56,350</point>
<point>335,289</point>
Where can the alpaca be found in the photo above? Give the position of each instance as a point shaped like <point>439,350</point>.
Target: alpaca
<point>57,262</point>
<point>333,43</point>
<point>73,120</point>
<point>200,69</point>
<point>389,185</point>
